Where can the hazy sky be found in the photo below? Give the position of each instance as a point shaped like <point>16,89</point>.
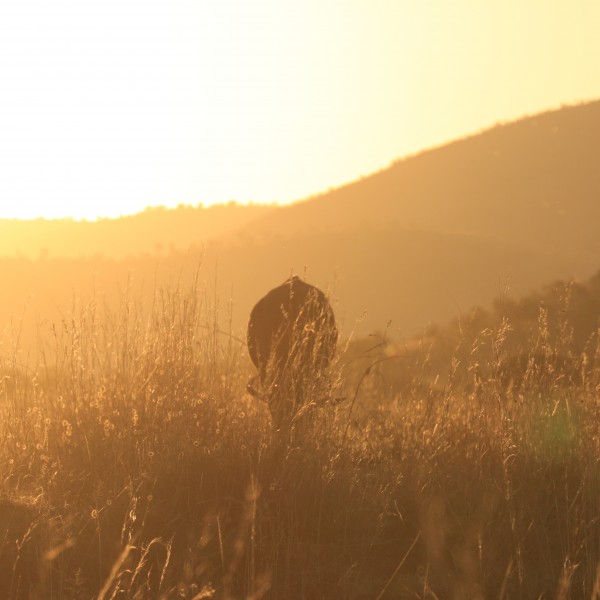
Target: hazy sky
<point>107,106</point>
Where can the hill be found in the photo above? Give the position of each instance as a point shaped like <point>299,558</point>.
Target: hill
<point>375,277</point>
<point>535,181</point>
<point>156,231</point>
<point>550,336</point>
<point>503,212</point>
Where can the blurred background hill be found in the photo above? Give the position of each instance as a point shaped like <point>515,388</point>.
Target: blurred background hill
<point>534,182</point>
<point>156,230</point>
<point>500,213</point>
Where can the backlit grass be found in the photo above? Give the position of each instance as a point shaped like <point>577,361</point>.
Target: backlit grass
<point>134,465</point>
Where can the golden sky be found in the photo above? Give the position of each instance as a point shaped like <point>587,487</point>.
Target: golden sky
<point>108,106</point>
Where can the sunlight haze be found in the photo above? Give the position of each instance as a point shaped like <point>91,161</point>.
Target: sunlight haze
<point>109,107</point>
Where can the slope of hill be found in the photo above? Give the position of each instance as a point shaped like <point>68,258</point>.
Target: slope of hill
<point>535,181</point>
<point>153,231</point>
<point>378,279</point>
<point>377,276</point>
<point>512,208</point>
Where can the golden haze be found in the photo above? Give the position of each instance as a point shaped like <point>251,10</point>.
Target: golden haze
<point>452,452</point>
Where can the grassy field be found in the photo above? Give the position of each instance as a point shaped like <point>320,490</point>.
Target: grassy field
<point>134,465</point>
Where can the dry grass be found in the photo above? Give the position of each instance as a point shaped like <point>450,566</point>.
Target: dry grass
<point>135,466</point>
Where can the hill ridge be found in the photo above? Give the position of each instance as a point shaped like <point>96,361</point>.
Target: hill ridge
<point>446,229</point>
<point>405,192</point>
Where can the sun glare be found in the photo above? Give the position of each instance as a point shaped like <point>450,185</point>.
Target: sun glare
<point>109,107</point>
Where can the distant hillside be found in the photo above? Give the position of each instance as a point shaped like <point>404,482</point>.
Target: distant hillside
<point>376,278</point>
<point>528,348</point>
<point>409,278</point>
<point>562,313</point>
<point>535,181</point>
<point>156,231</point>
<point>503,212</point>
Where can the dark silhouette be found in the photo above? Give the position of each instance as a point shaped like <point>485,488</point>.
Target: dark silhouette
<point>291,339</point>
